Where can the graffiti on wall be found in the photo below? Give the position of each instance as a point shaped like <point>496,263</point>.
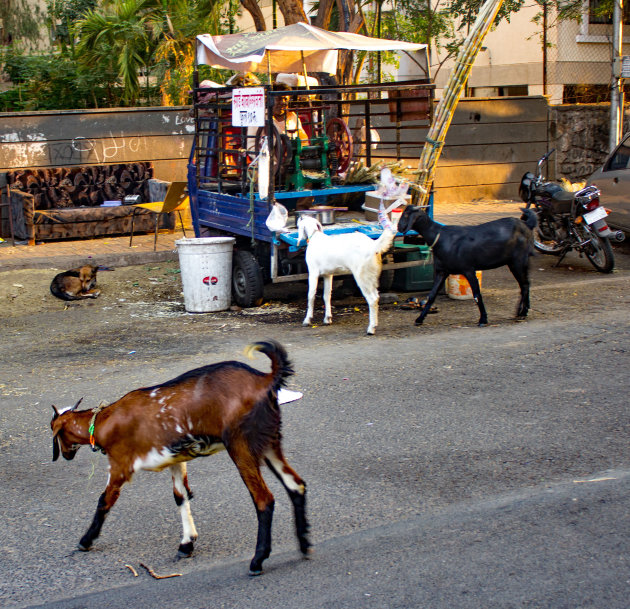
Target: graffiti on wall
<point>95,151</point>
<point>169,138</point>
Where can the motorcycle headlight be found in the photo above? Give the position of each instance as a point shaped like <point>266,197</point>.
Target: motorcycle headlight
<point>526,187</point>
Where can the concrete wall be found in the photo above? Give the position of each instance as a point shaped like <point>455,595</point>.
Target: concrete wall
<point>92,137</point>
<point>490,144</point>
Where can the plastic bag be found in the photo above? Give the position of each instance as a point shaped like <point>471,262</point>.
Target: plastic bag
<point>263,169</point>
<point>277,219</point>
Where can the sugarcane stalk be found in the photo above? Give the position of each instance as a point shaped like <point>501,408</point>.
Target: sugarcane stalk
<point>450,98</point>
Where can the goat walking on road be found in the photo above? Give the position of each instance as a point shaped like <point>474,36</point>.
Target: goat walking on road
<point>227,405</point>
<point>330,255</point>
<point>463,250</point>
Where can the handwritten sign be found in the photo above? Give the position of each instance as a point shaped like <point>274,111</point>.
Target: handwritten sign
<point>248,107</point>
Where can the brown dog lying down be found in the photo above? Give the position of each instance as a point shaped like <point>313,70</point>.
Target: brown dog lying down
<point>77,284</point>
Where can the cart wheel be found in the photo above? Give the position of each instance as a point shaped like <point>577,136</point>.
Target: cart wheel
<point>341,143</point>
<point>279,152</point>
<point>247,280</point>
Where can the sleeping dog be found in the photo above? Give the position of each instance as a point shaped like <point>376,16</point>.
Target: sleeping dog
<point>77,284</point>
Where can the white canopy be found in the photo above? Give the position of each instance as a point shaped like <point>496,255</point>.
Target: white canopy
<point>284,49</point>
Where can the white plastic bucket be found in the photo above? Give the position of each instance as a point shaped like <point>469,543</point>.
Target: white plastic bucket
<point>457,286</point>
<point>206,267</point>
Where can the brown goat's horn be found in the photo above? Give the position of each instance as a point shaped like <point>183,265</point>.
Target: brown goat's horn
<point>56,412</point>
<point>76,405</point>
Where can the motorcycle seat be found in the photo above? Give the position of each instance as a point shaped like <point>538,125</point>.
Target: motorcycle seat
<point>561,199</point>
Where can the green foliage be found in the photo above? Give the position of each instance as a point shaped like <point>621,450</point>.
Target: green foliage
<point>56,82</point>
<point>62,14</point>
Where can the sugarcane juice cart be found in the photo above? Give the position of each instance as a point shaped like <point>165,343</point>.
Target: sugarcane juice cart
<point>350,132</point>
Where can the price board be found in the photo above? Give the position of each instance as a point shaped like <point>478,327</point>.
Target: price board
<point>248,107</point>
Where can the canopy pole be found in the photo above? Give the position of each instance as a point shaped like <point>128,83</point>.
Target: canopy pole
<point>269,67</point>
<point>436,136</point>
<point>304,69</point>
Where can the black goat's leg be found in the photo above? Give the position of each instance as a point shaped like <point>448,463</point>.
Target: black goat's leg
<point>521,274</point>
<point>471,276</point>
<point>440,278</point>
<point>105,503</point>
<point>296,489</point>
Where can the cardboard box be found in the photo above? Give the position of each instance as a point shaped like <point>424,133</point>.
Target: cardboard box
<point>373,202</point>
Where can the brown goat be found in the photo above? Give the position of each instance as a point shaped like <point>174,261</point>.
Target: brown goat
<point>227,405</point>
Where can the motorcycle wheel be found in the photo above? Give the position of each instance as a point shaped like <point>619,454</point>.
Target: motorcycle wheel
<point>546,239</point>
<point>598,250</point>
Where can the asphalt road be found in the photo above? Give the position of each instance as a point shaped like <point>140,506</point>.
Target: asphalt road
<point>447,466</point>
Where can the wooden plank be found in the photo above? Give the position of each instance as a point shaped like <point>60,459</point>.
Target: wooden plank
<point>501,110</point>
<point>95,151</point>
<point>487,133</point>
<point>467,193</point>
<point>483,154</point>
<point>60,125</point>
<point>471,175</point>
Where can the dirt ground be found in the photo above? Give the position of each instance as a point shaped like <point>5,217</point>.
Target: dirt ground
<point>154,292</point>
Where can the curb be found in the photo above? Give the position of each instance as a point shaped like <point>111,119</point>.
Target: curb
<point>68,262</point>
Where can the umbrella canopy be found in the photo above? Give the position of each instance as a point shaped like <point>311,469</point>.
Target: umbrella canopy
<point>284,49</point>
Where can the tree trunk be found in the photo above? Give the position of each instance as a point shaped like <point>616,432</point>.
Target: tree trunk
<point>251,6</point>
<point>322,19</point>
<point>292,11</point>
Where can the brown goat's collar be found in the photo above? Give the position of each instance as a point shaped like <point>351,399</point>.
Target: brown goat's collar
<point>95,412</point>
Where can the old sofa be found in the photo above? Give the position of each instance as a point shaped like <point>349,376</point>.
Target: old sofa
<point>67,202</point>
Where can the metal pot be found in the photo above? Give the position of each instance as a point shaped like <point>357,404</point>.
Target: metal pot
<point>324,213</point>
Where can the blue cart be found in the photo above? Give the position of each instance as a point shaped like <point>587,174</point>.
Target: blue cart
<point>347,127</point>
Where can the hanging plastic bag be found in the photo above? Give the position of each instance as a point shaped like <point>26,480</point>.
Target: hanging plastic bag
<point>277,219</point>
<point>263,169</point>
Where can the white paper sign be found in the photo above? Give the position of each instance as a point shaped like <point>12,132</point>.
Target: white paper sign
<point>248,107</point>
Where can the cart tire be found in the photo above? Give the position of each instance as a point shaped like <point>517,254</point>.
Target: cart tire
<point>247,280</point>
<point>386,281</point>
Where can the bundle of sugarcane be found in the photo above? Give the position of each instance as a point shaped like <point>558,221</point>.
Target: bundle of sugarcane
<point>359,173</point>
<point>450,97</point>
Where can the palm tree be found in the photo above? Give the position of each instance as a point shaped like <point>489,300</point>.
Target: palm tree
<point>130,36</point>
<point>175,26</point>
<point>118,41</point>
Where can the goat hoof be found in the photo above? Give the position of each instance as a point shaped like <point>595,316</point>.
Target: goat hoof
<point>482,324</point>
<point>255,573</point>
<point>306,548</point>
<point>185,550</point>
<point>83,548</point>
<point>418,322</point>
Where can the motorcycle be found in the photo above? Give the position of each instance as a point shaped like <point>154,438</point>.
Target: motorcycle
<point>569,220</point>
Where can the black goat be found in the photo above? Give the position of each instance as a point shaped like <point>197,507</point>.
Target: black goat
<point>462,250</point>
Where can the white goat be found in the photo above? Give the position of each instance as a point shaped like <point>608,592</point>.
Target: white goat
<point>329,255</point>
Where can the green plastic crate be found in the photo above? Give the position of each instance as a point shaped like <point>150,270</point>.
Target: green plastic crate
<point>413,278</point>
